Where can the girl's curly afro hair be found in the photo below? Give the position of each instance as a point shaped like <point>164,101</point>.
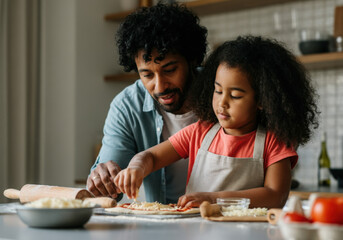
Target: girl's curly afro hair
<point>165,27</point>
<point>281,84</point>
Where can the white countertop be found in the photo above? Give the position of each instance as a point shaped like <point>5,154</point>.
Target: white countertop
<point>121,227</point>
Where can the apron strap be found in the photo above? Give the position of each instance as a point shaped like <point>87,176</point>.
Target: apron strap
<point>209,137</point>
<point>259,143</point>
<point>258,146</point>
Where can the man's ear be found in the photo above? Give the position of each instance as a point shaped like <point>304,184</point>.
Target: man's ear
<point>259,107</point>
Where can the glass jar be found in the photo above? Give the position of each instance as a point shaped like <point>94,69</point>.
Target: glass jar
<point>232,204</point>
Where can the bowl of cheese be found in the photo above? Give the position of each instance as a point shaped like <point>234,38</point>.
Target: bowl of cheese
<point>234,202</point>
<point>239,207</point>
<point>56,213</point>
<point>229,206</point>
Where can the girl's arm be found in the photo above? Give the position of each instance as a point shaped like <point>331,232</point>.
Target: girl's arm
<point>142,164</point>
<point>273,194</point>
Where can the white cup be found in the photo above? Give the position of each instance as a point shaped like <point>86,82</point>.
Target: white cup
<point>339,44</point>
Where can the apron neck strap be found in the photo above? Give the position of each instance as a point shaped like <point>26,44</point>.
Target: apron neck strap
<point>210,136</point>
<point>258,146</point>
<point>259,143</point>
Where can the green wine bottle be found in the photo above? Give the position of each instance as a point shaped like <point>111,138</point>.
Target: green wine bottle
<point>324,165</point>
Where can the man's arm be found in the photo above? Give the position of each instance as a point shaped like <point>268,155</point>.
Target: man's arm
<point>117,150</point>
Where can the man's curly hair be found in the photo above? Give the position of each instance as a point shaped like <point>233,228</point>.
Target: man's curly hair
<point>165,27</point>
<point>281,84</point>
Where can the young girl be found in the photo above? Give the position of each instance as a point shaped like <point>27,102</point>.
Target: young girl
<point>256,106</point>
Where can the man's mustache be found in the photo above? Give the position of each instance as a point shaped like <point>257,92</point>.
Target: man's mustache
<point>167,91</point>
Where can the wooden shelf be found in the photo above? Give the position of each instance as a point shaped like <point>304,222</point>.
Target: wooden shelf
<point>116,17</point>
<point>208,7</point>
<point>311,62</point>
<point>121,77</point>
<point>322,61</point>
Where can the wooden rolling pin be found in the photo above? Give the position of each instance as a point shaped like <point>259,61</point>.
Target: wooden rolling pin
<point>209,210</point>
<point>32,192</point>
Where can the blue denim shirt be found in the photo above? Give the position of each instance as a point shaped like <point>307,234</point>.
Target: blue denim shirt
<point>133,124</point>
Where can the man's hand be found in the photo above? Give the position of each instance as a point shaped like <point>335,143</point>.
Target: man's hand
<point>100,181</point>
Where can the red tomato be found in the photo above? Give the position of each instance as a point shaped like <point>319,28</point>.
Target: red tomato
<point>295,217</point>
<point>328,210</point>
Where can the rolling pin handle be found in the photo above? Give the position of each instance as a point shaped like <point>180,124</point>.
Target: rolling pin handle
<point>12,193</point>
<point>208,210</point>
<point>274,214</point>
<point>104,202</point>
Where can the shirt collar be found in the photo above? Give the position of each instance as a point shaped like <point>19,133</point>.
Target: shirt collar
<point>149,102</point>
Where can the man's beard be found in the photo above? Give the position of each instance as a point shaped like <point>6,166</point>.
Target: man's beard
<point>176,106</point>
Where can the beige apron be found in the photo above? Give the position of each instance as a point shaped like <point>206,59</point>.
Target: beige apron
<point>212,172</point>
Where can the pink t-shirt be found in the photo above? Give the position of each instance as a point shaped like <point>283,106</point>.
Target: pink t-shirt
<point>188,140</point>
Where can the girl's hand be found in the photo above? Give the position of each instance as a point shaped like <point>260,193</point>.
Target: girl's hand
<point>129,180</point>
<point>195,199</point>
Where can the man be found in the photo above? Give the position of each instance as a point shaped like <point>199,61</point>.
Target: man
<point>165,44</point>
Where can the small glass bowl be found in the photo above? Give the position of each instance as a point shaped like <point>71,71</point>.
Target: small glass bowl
<point>238,202</point>
<point>231,204</point>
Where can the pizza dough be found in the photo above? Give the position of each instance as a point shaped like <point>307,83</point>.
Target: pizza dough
<point>154,208</point>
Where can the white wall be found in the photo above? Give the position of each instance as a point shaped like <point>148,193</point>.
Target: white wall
<point>96,55</point>
<point>78,49</point>
<point>58,92</point>
<point>3,100</point>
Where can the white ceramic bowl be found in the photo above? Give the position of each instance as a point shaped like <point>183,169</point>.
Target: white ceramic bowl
<point>298,231</point>
<point>330,231</point>
<point>310,231</point>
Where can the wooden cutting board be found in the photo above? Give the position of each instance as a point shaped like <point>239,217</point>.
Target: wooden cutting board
<point>212,212</point>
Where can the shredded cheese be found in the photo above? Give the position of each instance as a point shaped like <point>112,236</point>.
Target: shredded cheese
<point>137,194</point>
<point>235,211</point>
<point>151,206</point>
<point>59,203</point>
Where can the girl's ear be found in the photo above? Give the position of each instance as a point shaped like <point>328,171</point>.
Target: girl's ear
<point>259,107</point>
